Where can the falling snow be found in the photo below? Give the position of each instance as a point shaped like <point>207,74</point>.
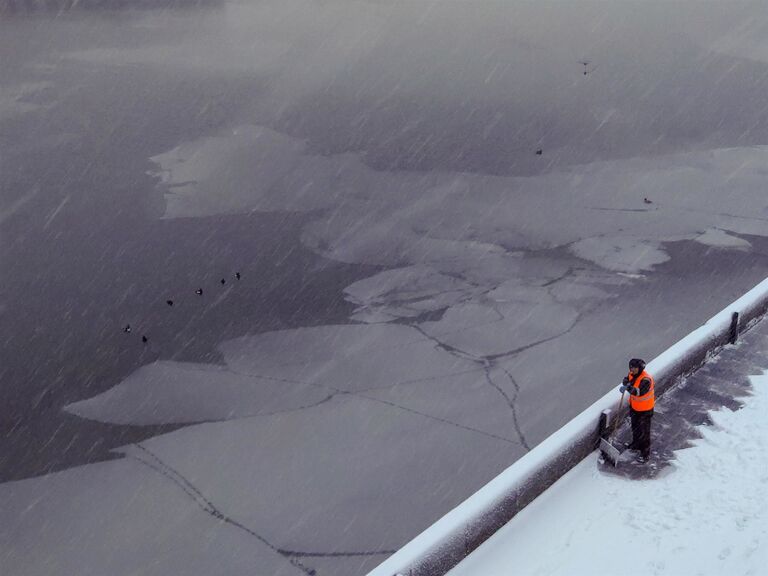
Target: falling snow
<point>285,281</point>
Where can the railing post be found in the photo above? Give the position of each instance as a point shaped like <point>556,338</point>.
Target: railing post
<point>605,418</point>
<point>734,328</point>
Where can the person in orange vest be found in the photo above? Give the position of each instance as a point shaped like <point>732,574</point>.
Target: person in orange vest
<point>639,385</point>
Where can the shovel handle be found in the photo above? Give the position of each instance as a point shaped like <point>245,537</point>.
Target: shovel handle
<point>616,418</point>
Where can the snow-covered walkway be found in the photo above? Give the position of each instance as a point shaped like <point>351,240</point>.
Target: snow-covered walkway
<point>700,513</point>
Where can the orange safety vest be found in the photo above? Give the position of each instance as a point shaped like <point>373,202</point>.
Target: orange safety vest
<point>646,401</point>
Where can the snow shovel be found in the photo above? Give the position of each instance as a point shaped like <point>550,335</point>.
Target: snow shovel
<point>610,451</point>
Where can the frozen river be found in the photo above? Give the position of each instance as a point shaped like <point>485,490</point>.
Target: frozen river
<point>450,234</point>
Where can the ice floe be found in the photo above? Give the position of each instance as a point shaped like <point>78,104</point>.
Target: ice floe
<point>168,392</point>
<point>601,212</point>
<point>274,372</point>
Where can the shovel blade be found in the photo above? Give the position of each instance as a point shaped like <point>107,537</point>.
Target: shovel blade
<point>610,451</point>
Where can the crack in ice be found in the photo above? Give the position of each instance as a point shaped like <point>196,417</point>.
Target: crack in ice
<point>163,468</point>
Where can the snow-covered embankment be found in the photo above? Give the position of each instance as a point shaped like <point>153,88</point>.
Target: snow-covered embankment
<point>463,529</point>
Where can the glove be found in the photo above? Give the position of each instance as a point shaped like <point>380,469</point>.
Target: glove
<point>625,381</point>
<point>622,388</point>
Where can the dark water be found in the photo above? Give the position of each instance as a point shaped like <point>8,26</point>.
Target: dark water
<point>87,254</point>
<point>70,308</point>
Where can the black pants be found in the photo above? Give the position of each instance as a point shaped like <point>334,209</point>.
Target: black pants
<point>641,431</point>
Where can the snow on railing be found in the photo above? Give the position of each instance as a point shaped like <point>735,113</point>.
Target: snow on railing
<point>454,536</point>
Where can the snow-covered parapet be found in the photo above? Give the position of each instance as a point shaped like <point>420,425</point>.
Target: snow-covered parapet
<point>463,529</point>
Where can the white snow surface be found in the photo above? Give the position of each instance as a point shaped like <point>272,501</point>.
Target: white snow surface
<point>706,516</point>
